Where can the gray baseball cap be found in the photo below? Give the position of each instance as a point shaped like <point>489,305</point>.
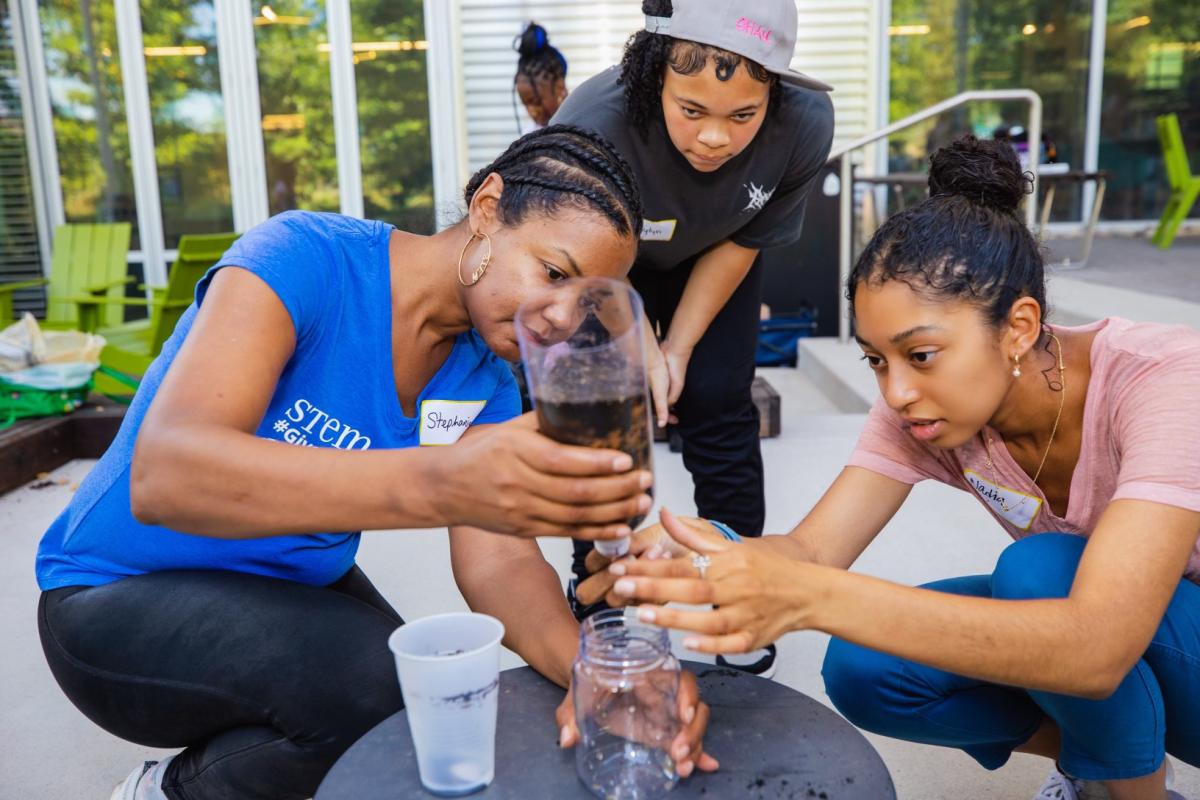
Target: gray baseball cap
<point>763,31</point>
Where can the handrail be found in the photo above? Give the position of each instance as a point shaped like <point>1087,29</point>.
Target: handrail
<point>847,173</point>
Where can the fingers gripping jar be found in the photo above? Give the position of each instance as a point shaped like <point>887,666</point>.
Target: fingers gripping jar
<point>626,682</point>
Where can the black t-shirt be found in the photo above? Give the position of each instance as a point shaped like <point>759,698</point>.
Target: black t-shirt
<point>756,200</point>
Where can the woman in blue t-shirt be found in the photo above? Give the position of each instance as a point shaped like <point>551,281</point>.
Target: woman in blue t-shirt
<point>200,590</point>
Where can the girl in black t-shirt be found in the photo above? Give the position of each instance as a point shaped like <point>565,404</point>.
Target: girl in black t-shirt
<point>726,141</point>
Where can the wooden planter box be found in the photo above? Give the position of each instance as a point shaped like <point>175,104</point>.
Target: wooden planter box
<point>34,446</point>
<point>767,400</point>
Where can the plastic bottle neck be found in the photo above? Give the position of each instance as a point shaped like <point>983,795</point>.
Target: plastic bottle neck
<point>615,640</point>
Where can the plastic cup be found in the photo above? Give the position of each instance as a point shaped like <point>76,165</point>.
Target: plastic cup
<point>584,352</point>
<point>449,669</point>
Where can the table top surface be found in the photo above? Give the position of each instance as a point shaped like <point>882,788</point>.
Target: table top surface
<point>772,742</point>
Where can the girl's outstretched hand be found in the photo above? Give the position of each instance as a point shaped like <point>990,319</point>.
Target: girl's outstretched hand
<point>760,595</point>
<point>652,542</point>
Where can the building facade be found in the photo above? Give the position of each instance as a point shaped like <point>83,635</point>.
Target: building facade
<point>187,116</point>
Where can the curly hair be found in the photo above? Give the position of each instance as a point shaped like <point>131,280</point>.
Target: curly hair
<point>564,165</point>
<point>648,56</point>
<point>967,241</point>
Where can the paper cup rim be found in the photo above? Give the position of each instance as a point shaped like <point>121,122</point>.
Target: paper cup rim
<point>457,656</point>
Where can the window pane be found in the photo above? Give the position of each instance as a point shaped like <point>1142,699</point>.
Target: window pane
<point>1151,67</point>
<point>297,106</point>
<point>84,72</point>
<point>393,112</point>
<point>942,47</point>
<point>20,256</point>
<point>180,38</point>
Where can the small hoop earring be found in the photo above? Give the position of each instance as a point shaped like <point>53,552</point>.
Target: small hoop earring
<point>1016,371</point>
<point>483,264</point>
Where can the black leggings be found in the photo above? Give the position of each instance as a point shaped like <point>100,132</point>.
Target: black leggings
<point>718,421</point>
<point>264,682</point>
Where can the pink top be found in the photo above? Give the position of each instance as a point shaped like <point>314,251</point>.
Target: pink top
<point>1141,440</point>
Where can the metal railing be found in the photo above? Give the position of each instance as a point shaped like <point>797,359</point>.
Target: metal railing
<point>847,174</point>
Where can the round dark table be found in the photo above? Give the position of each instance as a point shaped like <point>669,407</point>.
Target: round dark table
<point>772,742</point>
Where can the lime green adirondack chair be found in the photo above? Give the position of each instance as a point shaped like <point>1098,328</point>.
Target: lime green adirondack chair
<point>89,260</point>
<point>133,345</point>
<point>1185,187</point>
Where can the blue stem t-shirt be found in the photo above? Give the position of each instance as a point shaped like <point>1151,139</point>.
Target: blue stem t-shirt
<point>333,275</point>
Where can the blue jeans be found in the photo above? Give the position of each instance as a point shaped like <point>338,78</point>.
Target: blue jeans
<point>1155,708</point>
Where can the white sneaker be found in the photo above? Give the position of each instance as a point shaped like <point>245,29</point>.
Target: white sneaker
<point>1059,787</point>
<point>1170,782</point>
<point>144,783</point>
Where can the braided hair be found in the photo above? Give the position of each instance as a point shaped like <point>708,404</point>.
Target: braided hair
<point>648,55</point>
<point>562,165</point>
<point>541,70</point>
<point>538,58</point>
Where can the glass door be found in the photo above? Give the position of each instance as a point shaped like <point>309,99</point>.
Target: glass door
<point>1151,68</point>
<point>188,116</point>
<point>83,67</point>
<point>20,249</point>
<point>393,112</point>
<point>297,105</point>
<point>939,48</point>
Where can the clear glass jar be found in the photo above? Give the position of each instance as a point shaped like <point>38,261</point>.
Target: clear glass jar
<point>625,684</point>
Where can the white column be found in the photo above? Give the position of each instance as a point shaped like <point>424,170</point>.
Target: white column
<point>40,142</point>
<point>1095,90</point>
<point>243,115</point>
<point>883,99</point>
<point>447,114</point>
<point>345,106</point>
<point>883,77</point>
<point>141,140</point>
<point>845,242</point>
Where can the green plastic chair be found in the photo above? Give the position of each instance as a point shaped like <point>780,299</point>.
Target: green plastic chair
<point>1185,187</point>
<point>134,345</point>
<point>88,261</point>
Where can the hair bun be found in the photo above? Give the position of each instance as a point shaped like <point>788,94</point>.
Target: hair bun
<point>532,40</point>
<point>986,172</point>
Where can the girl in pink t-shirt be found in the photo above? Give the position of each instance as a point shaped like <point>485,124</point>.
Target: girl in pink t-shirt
<point>1084,644</point>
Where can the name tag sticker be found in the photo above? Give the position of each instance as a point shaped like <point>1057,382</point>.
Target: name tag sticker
<point>661,231</point>
<point>1022,508</point>
<point>444,421</point>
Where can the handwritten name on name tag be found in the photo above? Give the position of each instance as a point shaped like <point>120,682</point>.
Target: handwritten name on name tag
<point>444,421</point>
<point>662,230</point>
<point>1016,507</point>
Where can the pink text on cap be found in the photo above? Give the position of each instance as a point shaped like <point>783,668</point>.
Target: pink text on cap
<point>746,25</point>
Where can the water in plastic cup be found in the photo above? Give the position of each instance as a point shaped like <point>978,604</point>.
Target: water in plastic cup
<point>449,668</point>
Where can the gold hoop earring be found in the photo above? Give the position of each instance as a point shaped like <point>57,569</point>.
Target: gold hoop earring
<point>483,264</point>
<point>1016,372</point>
